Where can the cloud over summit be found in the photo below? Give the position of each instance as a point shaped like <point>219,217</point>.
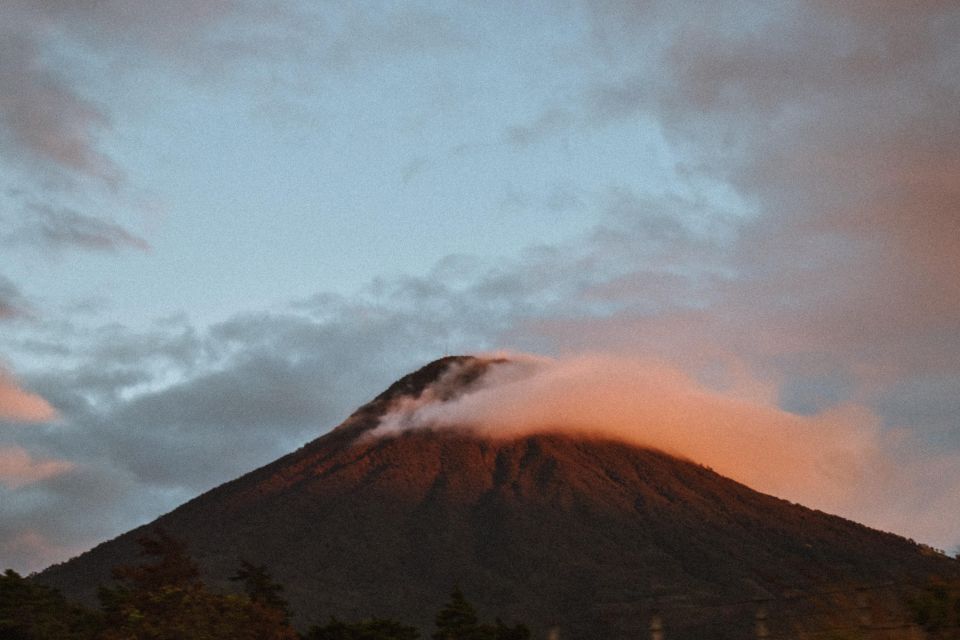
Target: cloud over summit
<point>837,459</point>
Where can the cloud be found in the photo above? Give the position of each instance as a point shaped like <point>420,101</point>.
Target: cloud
<point>12,303</point>
<point>152,417</point>
<point>147,414</point>
<point>56,126</point>
<point>55,518</point>
<point>839,124</point>
<point>17,405</point>
<point>834,128</point>
<point>740,434</point>
<point>63,228</point>
<point>177,30</point>
<point>19,468</point>
<point>548,124</point>
<point>43,119</point>
<point>32,548</point>
<point>837,459</point>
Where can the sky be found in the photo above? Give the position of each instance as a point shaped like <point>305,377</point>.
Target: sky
<point>225,225</point>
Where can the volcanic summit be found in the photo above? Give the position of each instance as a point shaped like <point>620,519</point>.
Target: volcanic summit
<point>594,537</point>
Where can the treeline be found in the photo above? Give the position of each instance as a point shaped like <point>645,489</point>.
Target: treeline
<point>164,598</point>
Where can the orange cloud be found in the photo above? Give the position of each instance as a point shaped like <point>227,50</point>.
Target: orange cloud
<point>838,460</point>
<point>18,405</point>
<point>19,468</point>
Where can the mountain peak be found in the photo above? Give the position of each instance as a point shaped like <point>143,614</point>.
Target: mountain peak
<point>445,378</point>
<point>454,372</point>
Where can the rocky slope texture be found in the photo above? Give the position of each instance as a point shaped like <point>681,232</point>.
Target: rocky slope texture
<point>594,537</point>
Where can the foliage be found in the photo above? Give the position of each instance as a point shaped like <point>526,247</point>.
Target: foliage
<point>165,600</point>
<point>30,611</point>
<point>375,629</point>
<point>517,632</point>
<point>458,620</point>
<point>261,588</point>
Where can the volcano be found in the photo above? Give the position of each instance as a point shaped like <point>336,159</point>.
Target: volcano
<point>594,538</point>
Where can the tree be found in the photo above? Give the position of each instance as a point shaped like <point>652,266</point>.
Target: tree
<point>333,630</point>
<point>382,629</point>
<point>173,566</point>
<point>261,588</point>
<point>517,632</point>
<point>458,620</point>
<point>164,599</point>
<point>30,611</point>
<point>374,629</point>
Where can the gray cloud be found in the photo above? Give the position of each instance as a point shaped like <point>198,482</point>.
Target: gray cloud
<point>178,29</point>
<point>52,520</point>
<point>12,302</point>
<point>161,415</point>
<point>46,227</point>
<point>547,125</point>
<point>44,114</point>
<point>839,125</point>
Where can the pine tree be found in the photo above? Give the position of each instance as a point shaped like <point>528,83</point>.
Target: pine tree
<point>261,588</point>
<point>166,600</point>
<point>457,620</point>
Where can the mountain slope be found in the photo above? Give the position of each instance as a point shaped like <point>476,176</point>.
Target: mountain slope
<point>593,536</point>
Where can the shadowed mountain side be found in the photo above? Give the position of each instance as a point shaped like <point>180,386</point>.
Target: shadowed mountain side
<point>591,535</point>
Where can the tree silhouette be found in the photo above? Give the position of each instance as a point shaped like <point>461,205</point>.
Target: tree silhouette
<point>458,620</point>
<point>261,588</point>
<point>172,565</point>
<point>30,611</point>
<point>375,629</point>
<point>165,600</point>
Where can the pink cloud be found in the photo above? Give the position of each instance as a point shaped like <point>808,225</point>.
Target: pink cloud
<point>17,405</point>
<point>19,468</point>
<point>42,116</point>
<point>34,550</point>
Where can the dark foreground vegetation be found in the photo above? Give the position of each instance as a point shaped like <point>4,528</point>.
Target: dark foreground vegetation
<point>163,598</point>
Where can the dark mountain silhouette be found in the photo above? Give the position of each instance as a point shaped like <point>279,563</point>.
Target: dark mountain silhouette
<point>594,537</point>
